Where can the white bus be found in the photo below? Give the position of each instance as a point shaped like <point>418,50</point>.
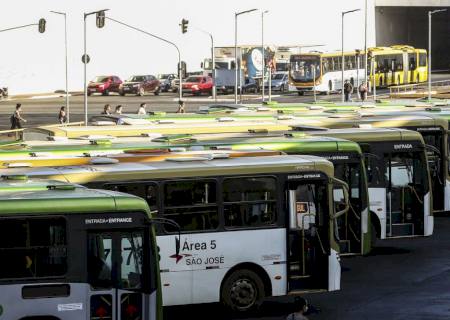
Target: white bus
<point>251,227</point>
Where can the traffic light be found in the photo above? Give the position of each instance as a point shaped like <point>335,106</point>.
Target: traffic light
<point>184,25</point>
<point>41,25</point>
<point>100,19</point>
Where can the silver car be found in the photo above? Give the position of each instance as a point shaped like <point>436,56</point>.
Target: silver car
<point>280,82</point>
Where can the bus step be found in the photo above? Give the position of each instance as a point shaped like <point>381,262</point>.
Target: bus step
<point>344,246</point>
<point>402,229</point>
<point>301,292</point>
<point>301,282</point>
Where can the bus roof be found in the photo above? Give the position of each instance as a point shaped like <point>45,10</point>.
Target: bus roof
<point>161,128</point>
<point>179,169</point>
<point>285,142</point>
<point>372,134</point>
<point>24,196</point>
<point>389,120</point>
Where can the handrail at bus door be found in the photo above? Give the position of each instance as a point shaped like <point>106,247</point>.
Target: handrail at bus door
<point>346,197</point>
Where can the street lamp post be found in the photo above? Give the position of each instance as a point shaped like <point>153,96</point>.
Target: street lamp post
<point>342,49</point>
<point>365,43</point>
<point>65,49</point>
<point>235,53</point>
<point>213,60</point>
<point>430,13</point>
<point>85,62</point>
<point>263,72</point>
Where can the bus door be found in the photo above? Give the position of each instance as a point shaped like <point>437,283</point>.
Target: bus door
<point>405,194</point>
<point>435,140</point>
<point>118,275</point>
<point>308,236</point>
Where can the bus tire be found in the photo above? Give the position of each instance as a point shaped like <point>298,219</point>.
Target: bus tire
<point>243,291</point>
<point>301,93</point>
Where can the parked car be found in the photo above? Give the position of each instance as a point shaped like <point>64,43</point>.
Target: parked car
<point>165,81</point>
<point>104,85</point>
<point>140,85</point>
<point>280,82</point>
<point>197,85</point>
<point>174,84</point>
<point>250,85</point>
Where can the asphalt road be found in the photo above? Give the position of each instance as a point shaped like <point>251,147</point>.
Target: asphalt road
<point>402,279</point>
<point>44,110</point>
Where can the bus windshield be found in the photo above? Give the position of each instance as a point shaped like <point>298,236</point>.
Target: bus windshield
<point>302,67</point>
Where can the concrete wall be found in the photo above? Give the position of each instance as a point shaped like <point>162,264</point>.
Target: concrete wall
<point>409,25</point>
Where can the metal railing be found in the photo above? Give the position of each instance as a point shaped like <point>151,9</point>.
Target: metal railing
<point>421,88</point>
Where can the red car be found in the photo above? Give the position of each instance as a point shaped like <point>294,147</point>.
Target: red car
<point>104,85</point>
<point>140,85</point>
<point>197,85</point>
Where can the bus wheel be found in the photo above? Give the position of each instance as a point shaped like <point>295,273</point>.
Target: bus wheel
<point>243,291</point>
<point>301,93</point>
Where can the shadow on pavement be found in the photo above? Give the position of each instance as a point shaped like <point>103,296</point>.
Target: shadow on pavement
<point>269,310</point>
<point>386,251</point>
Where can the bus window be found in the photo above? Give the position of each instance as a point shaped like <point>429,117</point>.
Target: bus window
<point>249,201</point>
<point>100,260</point>
<point>192,204</point>
<point>326,65</point>
<point>131,261</point>
<point>412,61</point>
<point>422,59</point>
<point>33,248</point>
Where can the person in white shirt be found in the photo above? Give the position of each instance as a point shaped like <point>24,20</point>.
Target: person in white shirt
<point>141,109</point>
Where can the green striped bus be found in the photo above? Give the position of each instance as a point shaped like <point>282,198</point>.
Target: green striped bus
<point>71,253</point>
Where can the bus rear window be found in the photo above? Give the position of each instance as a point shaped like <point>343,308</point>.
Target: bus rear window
<point>32,248</point>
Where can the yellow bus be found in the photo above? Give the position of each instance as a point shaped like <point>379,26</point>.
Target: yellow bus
<point>387,66</point>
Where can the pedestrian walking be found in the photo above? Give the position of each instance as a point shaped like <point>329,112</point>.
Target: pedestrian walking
<point>348,89</point>
<point>363,91</point>
<point>141,109</point>
<point>62,116</point>
<point>181,107</point>
<point>302,307</point>
<point>118,109</point>
<point>107,109</point>
<point>16,119</point>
